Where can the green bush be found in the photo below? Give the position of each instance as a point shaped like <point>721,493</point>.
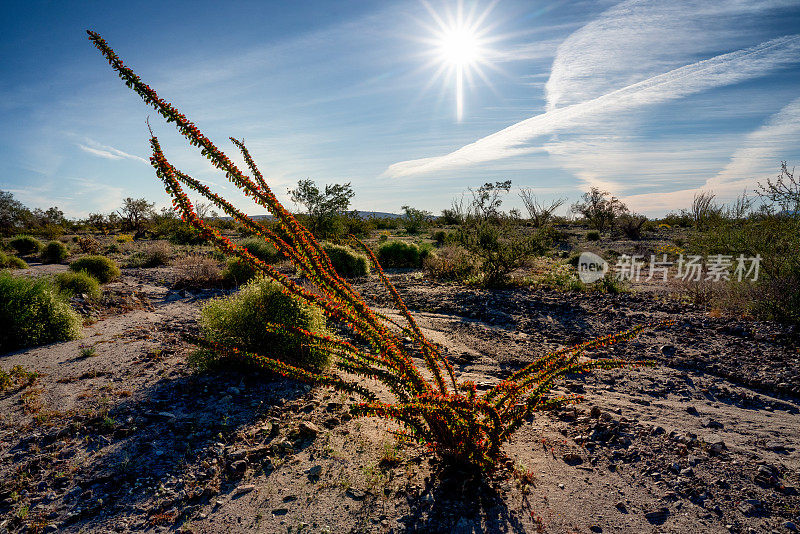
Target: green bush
<point>399,254</point>
<point>33,312</point>
<point>443,237</point>
<point>347,262</point>
<point>358,226</point>
<point>261,250</point>
<point>8,261</point>
<point>237,272</point>
<point>25,244</point>
<point>76,283</point>
<point>776,239</point>
<point>593,235</point>
<point>101,267</point>
<point>240,320</point>
<point>183,234</point>
<point>54,252</point>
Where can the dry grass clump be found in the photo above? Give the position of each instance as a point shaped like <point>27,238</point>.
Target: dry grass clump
<point>153,255</point>
<point>451,263</point>
<point>198,271</point>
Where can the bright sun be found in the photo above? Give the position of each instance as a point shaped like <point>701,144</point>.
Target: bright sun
<point>459,45</point>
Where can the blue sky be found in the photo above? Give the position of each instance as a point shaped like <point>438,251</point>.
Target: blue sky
<point>651,100</point>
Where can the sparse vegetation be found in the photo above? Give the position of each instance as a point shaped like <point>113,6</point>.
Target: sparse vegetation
<point>33,312</point>
<point>197,271</point>
<point>325,208</point>
<point>88,245</point>
<point>104,269</point>
<point>540,212</point>
<point>415,220</point>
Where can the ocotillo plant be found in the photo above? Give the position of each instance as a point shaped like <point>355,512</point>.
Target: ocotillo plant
<point>429,403</point>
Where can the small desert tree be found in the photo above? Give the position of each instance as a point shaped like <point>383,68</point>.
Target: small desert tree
<point>103,223</point>
<point>486,200</point>
<point>135,214</point>
<point>13,214</point>
<point>599,208</point>
<point>784,191</point>
<point>415,220</point>
<point>325,208</point>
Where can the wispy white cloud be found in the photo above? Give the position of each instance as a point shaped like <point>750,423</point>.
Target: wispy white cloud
<point>107,152</point>
<point>721,70</point>
<point>639,39</point>
<point>754,161</point>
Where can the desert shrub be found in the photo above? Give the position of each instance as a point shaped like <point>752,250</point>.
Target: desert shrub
<point>103,268</point>
<point>54,252</point>
<point>124,238</point>
<point>9,261</point>
<point>346,261</point>
<point>560,277</point>
<point>154,255</point>
<point>88,245</point>
<point>17,377</point>
<point>183,234</point>
<point>704,210</point>
<point>197,271</point>
<point>240,320</point>
<point>681,219</point>
<point>261,250</point>
<point>386,223</point>
<point>593,235</point>
<point>355,224</point>
<point>238,272</point>
<point>776,239</point>
<point>540,212</point>
<point>398,254</point>
<point>450,263</point>
<point>433,407</point>
<point>33,312</point>
<point>443,237</point>
<point>25,244</point>
<point>501,246</point>
<point>77,283</point>
<point>630,224</point>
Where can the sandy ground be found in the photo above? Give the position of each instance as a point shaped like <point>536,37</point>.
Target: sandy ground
<point>130,439</point>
